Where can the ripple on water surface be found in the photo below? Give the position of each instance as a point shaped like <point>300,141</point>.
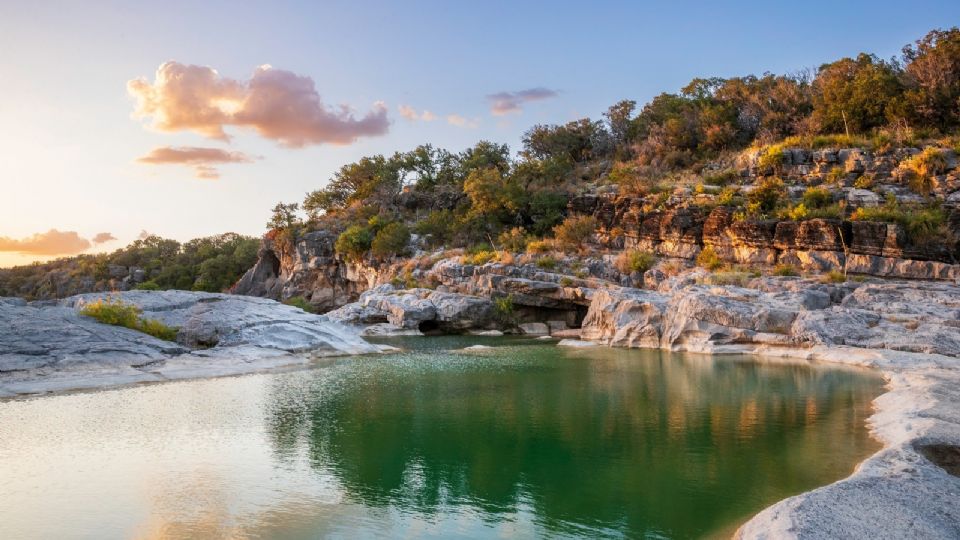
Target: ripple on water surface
<point>524,440</point>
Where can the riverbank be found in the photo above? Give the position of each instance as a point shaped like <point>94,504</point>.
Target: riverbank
<point>897,492</point>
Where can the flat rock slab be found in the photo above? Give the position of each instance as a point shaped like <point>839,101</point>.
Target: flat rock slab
<point>52,348</point>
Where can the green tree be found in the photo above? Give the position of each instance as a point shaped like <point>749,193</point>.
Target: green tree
<point>855,95</point>
<point>391,240</point>
<point>932,75</point>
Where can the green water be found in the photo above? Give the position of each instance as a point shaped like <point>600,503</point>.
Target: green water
<point>527,440</point>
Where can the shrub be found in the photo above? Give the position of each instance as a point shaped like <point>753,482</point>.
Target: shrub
<point>866,181</point>
<point>565,281</point>
<point>765,197</point>
<point>354,242</point>
<point>709,259</point>
<point>479,258</point>
<point>785,270</point>
<point>540,246</point>
<point>728,196</point>
<point>391,240</point>
<point>921,168</point>
<point>438,225</point>
<point>816,197</point>
<point>634,260</point>
<point>739,279</point>
<point>834,276</point>
<point>300,302</point>
<point>771,157</point>
<point>547,262</point>
<point>115,312</point>
<point>720,178</point>
<point>575,231</point>
<point>148,286</point>
<point>504,311</point>
<point>514,240</point>
<point>836,175</point>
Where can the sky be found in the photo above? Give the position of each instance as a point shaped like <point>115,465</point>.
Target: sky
<point>186,119</point>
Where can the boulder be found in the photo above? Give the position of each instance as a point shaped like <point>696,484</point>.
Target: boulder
<point>535,329</point>
<point>625,318</point>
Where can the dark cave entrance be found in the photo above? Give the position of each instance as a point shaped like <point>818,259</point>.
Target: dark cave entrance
<point>429,328</point>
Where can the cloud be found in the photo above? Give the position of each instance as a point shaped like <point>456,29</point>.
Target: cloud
<point>102,238</point>
<point>52,242</point>
<point>411,114</point>
<point>459,121</point>
<point>201,159</point>
<point>278,104</point>
<point>503,103</point>
<point>144,234</point>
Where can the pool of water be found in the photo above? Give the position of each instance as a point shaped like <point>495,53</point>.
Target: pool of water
<point>524,440</point>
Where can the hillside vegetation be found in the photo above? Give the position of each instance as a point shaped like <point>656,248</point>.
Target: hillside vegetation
<point>211,264</point>
<point>484,197</point>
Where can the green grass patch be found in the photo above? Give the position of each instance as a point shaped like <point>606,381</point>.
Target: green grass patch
<point>116,312</point>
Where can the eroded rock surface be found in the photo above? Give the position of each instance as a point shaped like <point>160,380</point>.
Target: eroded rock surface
<point>52,347</point>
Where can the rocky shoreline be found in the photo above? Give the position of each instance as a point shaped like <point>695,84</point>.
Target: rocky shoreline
<point>49,347</point>
<point>908,330</point>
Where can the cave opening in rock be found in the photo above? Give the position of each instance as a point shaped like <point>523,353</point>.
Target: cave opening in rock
<point>429,328</point>
<point>273,261</point>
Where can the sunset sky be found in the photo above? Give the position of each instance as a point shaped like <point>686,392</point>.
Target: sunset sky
<point>187,119</point>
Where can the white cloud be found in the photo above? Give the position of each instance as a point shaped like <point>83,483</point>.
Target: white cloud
<point>278,104</point>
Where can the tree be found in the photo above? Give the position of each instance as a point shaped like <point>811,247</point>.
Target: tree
<point>620,122</point>
<point>855,94</point>
<point>354,242</point>
<point>284,217</point>
<point>392,240</point>
<point>932,75</point>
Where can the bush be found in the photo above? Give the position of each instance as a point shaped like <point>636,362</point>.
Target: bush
<point>540,246</point>
<point>479,258</point>
<point>834,276</point>
<point>721,178</point>
<point>547,262</point>
<point>816,197</point>
<point>729,196</point>
<point>785,270</point>
<point>504,311</point>
<point>709,259</point>
<point>300,302</point>
<point>115,312</point>
<point>514,240</point>
<point>575,231</point>
<point>392,240</point>
<point>921,168</point>
<point>767,195</point>
<point>148,286</point>
<point>771,157</point>
<point>354,242</point>
<point>837,175</point>
<point>739,279</point>
<point>634,260</point>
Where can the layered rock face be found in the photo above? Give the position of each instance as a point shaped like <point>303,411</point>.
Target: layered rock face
<point>309,268</point>
<point>49,347</point>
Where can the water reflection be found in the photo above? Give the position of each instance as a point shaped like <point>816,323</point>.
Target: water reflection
<point>527,441</point>
<point>593,442</point>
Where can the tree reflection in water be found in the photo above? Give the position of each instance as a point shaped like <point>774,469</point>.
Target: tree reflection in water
<point>590,442</point>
